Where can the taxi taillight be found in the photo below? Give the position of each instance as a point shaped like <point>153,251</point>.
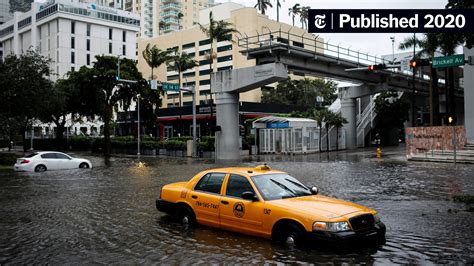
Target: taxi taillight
<point>161,191</point>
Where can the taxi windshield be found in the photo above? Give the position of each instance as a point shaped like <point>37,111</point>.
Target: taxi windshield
<point>279,186</point>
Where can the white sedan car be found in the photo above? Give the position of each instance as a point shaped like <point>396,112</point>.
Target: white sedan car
<point>49,160</point>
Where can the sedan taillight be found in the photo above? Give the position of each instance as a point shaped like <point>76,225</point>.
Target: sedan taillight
<point>24,161</point>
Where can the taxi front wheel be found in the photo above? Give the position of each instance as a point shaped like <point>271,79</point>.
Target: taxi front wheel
<point>292,236</point>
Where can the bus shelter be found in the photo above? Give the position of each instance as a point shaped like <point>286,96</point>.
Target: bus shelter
<point>286,135</point>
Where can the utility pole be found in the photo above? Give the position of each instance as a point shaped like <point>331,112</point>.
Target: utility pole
<point>413,112</point>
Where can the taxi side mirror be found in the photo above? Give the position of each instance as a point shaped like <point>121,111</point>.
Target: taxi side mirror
<point>314,190</point>
<point>249,195</point>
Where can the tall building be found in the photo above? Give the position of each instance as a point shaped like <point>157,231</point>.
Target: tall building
<point>194,42</point>
<point>5,14</point>
<point>71,33</point>
<point>163,16</point>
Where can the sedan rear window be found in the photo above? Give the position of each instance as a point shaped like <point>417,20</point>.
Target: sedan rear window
<point>48,156</point>
<point>31,155</point>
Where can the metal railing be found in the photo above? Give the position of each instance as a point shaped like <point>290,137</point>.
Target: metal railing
<point>308,42</point>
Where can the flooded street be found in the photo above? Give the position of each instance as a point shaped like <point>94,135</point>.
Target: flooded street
<point>107,214</point>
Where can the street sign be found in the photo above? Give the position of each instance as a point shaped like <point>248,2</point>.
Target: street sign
<point>153,84</point>
<point>448,61</point>
<point>171,87</point>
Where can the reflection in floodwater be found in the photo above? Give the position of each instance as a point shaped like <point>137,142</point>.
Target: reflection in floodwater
<point>107,214</point>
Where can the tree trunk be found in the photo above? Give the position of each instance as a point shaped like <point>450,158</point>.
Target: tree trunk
<point>23,136</point>
<point>107,117</point>
<point>320,142</point>
<point>452,99</point>
<point>327,137</point>
<point>435,102</point>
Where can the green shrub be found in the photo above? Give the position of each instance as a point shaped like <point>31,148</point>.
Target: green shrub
<point>182,139</point>
<point>206,144</point>
<point>7,159</point>
<point>174,145</point>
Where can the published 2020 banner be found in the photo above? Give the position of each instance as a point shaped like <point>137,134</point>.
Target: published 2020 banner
<point>390,20</point>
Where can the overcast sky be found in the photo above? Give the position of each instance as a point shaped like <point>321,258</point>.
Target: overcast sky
<point>374,43</point>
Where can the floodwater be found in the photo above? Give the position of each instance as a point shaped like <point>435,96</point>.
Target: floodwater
<point>107,215</point>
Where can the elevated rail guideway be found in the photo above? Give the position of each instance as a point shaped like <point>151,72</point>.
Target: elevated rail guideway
<point>312,56</point>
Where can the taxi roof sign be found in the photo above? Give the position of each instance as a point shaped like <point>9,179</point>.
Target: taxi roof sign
<point>263,167</point>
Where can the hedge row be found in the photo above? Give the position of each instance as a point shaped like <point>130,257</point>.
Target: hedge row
<point>7,158</point>
<point>84,143</point>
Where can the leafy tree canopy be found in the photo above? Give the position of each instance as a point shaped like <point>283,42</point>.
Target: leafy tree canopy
<point>303,92</point>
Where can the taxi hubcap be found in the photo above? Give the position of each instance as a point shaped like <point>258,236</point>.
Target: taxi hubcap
<point>290,241</point>
<point>185,220</point>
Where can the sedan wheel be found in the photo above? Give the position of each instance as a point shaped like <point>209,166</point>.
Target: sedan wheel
<point>40,168</point>
<point>84,166</point>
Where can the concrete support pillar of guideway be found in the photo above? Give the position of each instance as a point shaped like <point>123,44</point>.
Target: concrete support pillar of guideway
<point>227,139</point>
<point>469,97</point>
<point>348,111</point>
<point>227,85</point>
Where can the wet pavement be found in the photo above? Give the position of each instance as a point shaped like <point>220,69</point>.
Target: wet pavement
<point>107,214</point>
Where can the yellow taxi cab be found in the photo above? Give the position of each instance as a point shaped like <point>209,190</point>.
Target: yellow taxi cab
<point>268,203</point>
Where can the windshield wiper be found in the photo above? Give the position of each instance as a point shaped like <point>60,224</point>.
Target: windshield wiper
<point>296,184</point>
<point>283,186</point>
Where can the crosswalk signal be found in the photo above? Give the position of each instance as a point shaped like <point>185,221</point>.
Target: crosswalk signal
<point>419,63</point>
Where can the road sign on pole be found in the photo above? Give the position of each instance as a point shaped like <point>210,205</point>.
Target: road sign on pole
<point>153,84</point>
<point>448,61</point>
<point>171,87</point>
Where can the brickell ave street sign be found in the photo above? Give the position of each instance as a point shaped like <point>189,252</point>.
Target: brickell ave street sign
<point>170,87</point>
<point>448,61</point>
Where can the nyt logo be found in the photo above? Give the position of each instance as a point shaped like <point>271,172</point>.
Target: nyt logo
<point>320,21</point>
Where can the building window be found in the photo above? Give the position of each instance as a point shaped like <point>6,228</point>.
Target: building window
<point>88,59</point>
<point>88,33</point>
<point>73,59</point>
<point>224,58</point>
<point>224,48</point>
<point>73,43</point>
<point>188,45</point>
<point>110,34</point>
<point>73,27</point>
<point>204,42</point>
<point>224,68</point>
<point>190,74</point>
<point>124,50</point>
<point>204,72</point>
<point>124,36</point>
<point>205,82</point>
<point>204,62</point>
<point>88,45</point>
<point>205,52</point>
<point>110,47</point>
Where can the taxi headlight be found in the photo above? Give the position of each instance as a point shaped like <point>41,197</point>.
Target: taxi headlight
<point>376,219</point>
<point>331,227</point>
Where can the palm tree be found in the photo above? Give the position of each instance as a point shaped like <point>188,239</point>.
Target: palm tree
<point>278,9</point>
<point>294,11</point>
<point>217,31</point>
<point>329,119</point>
<point>320,117</point>
<point>180,17</point>
<point>182,62</point>
<point>429,44</point>
<point>262,5</point>
<point>338,122</point>
<point>155,57</point>
<point>304,13</point>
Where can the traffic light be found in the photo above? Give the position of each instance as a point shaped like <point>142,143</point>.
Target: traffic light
<point>452,120</point>
<point>377,67</point>
<point>419,63</point>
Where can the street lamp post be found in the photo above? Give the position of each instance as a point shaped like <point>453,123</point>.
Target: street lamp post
<point>393,49</point>
<point>138,132</point>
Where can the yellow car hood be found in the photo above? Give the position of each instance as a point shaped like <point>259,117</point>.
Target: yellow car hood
<point>320,206</point>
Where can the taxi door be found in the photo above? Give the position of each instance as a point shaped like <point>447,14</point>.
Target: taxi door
<point>205,198</point>
<point>237,214</point>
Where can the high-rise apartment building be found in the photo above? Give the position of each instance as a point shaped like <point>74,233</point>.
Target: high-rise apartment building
<point>165,16</point>
<point>71,33</point>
